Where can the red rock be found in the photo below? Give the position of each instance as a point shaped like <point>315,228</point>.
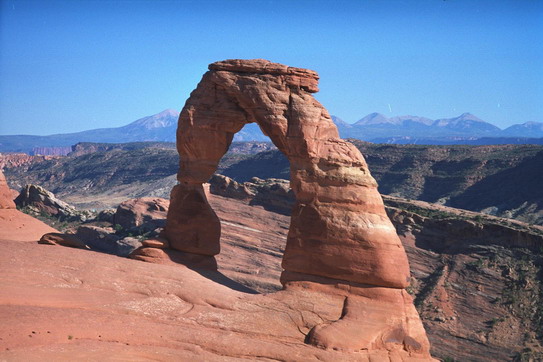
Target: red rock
<point>75,304</point>
<point>14,225</point>
<point>173,257</point>
<point>339,230</point>
<point>6,194</point>
<point>157,242</point>
<point>146,212</point>
<point>192,224</point>
<point>92,306</point>
<point>337,205</point>
<point>63,239</point>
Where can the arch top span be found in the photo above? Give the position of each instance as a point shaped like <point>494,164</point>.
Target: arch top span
<point>339,228</point>
<point>298,77</point>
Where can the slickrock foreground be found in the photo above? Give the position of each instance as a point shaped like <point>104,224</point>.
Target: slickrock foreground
<point>340,241</point>
<point>62,303</point>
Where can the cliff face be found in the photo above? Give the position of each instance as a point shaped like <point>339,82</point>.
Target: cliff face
<point>51,151</point>
<point>477,280</point>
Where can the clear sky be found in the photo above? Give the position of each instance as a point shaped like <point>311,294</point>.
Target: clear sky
<point>68,66</point>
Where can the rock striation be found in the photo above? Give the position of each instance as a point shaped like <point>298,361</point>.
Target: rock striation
<point>340,239</point>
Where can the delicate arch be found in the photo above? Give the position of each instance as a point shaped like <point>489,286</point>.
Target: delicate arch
<point>339,228</point>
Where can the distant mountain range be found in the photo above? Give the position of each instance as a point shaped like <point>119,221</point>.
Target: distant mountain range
<point>465,128</point>
<point>375,127</point>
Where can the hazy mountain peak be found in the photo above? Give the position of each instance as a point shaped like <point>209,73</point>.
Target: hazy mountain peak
<point>339,122</point>
<point>531,124</point>
<point>526,129</point>
<point>372,118</point>
<point>402,120</point>
<point>471,117</point>
<point>166,118</point>
<point>463,119</point>
<point>168,112</point>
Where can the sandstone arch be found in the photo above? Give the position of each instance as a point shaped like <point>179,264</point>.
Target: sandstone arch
<point>339,229</point>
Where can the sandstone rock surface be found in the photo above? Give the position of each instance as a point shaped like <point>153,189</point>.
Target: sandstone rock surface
<point>6,194</point>
<point>14,225</point>
<point>146,213</point>
<point>456,295</point>
<point>340,239</point>
<point>68,304</point>
<point>63,240</point>
<point>337,204</point>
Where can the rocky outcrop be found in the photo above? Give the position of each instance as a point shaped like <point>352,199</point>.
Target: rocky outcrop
<point>340,238</point>
<point>273,194</point>
<point>38,200</point>
<point>6,194</point>
<point>69,240</point>
<point>143,214</point>
<point>476,303</point>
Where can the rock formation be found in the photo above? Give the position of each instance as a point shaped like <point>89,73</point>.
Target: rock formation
<point>6,194</point>
<point>273,194</point>
<point>147,213</point>
<point>340,238</point>
<point>338,207</point>
<point>69,240</point>
<point>39,200</point>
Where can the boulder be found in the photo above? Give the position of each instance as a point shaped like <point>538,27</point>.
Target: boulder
<point>99,239</point>
<point>127,245</point>
<point>158,242</point>
<point>63,239</point>
<point>144,214</point>
<point>174,257</point>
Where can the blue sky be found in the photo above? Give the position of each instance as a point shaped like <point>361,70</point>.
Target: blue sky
<point>68,66</point>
